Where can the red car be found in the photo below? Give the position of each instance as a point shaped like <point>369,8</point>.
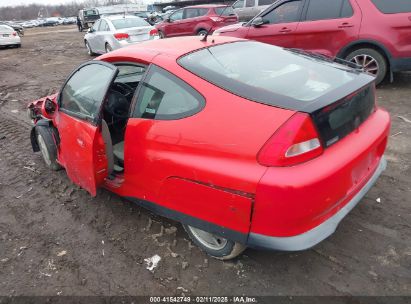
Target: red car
<point>196,20</point>
<point>245,143</point>
<point>375,34</point>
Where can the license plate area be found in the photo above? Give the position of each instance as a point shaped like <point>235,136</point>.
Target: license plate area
<point>6,35</point>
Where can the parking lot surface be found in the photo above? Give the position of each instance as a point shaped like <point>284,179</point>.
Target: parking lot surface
<point>57,240</point>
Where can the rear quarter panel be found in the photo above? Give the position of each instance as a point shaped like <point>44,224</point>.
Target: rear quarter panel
<point>215,148</point>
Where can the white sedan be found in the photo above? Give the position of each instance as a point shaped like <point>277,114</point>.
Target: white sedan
<point>114,32</point>
<point>8,36</point>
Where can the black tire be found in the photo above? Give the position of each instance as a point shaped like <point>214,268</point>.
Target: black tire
<point>108,48</point>
<point>375,61</point>
<point>89,50</point>
<point>226,250</point>
<point>202,32</point>
<point>48,149</point>
<point>161,35</point>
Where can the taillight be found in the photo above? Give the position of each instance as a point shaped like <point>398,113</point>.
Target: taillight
<point>295,142</point>
<point>217,19</point>
<point>14,34</point>
<point>121,36</point>
<point>153,32</point>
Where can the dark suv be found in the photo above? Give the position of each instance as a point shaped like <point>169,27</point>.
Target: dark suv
<point>196,20</point>
<point>375,34</point>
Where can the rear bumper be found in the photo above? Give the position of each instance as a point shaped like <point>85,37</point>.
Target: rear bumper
<point>317,234</point>
<point>10,41</point>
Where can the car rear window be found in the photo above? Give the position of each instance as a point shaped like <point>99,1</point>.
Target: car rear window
<point>393,6</point>
<point>224,11</point>
<point>129,22</point>
<point>90,13</point>
<point>266,73</point>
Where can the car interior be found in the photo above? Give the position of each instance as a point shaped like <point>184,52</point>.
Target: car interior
<point>116,111</point>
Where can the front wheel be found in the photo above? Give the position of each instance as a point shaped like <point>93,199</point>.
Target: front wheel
<point>161,35</point>
<point>89,50</point>
<point>371,61</point>
<point>214,245</point>
<point>44,136</point>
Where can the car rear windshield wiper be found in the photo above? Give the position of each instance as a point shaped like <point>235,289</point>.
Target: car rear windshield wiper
<point>350,64</point>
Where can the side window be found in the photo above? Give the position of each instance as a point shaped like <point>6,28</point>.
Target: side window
<point>202,11</point>
<point>239,4</point>
<point>249,3</point>
<point>325,9</point>
<point>224,11</point>
<point>104,26</point>
<point>393,6</point>
<point>265,2</point>
<point>177,15</point>
<point>190,13</point>
<point>286,12</point>
<point>96,25</point>
<point>85,90</point>
<point>130,74</point>
<point>346,10</point>
<point>164,96</point>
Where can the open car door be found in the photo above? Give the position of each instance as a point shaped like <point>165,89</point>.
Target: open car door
<point>82,149</point>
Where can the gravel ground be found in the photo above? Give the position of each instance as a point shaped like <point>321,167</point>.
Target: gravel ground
<point>57,240</point>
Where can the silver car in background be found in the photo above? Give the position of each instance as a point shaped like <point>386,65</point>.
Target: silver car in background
<point>114,32</point>
<point>8,36</point>
<point>248,9</point>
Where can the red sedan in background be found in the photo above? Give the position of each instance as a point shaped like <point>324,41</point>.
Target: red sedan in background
<point>244,143</point>
<point>196,20</point>
<point>375,34</point>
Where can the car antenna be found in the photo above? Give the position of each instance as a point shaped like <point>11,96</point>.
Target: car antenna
<point>211,28</point>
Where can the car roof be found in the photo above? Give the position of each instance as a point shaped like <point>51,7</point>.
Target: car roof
<point>172,47</point>
<point>206,6</point>
<point>119,16</point>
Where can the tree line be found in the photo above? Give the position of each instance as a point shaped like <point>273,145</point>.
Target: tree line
<point>34,11</point>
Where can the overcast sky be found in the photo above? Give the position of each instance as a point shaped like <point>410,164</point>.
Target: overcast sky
<point>17,2</point>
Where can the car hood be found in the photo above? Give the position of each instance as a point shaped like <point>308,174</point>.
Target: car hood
<point>229,28</point>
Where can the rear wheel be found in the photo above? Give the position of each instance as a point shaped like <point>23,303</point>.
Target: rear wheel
<point>371,61</point>
<point>214,245</point>
<point>89,50</point>
<point>161,35</point>
<point>48,149</point>
<point>202,32</point>
<point>108,48</point>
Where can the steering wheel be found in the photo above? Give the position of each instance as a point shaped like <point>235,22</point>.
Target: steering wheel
<point>123,88</point>
<point>117,105</point>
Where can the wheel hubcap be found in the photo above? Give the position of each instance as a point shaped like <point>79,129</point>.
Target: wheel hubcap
<point>368,63</point>
<point>44,150</point>
<point>207,239</point>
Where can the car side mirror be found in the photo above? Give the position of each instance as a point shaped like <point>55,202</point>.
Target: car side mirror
<point>48,108</point>
<point>258,21</point>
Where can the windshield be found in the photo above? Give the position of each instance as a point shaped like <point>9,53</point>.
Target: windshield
<point>266,73</point>
<point>129,22</point>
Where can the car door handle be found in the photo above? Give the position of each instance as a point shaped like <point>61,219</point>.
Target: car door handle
<point>285,30</point>
<point>345,25</point>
